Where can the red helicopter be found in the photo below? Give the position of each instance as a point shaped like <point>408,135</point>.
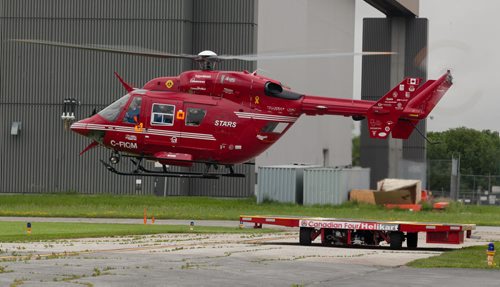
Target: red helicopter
<point>223,118</point>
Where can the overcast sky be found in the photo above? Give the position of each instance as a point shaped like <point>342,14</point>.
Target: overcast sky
<point>464,36</point>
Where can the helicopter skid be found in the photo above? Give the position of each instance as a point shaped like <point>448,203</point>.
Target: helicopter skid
<point>141,171</point>
<point>231,174</point>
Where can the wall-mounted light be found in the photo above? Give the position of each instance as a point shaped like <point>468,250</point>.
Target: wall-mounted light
<point>68,115</point>
<point>15,128</point>
<point>69,109</point>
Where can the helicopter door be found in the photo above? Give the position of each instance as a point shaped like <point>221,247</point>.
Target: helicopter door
<point>166,121</point>
<point>198,133</point>
<point>127,132</point>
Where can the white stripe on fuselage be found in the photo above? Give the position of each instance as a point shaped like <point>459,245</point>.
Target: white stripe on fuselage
<point>156,132</point>
<point>266,117</point>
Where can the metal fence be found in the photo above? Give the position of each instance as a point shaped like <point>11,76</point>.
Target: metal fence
<point>439,177</point>
<point>479,189</point>
<point>472,188</point>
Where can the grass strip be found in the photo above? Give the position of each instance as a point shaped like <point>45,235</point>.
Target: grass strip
<point>16,231</point>
<point>468,257</point>
<point>196,208</point>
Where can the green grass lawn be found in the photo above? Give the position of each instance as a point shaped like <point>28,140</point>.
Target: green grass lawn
<point>469,257</point>
<point>73,205</point>
<point>16,231</point>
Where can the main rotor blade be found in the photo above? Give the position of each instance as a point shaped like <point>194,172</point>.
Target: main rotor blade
<point>291,55</point>
<point>118,50</point>
<point>249,57</point>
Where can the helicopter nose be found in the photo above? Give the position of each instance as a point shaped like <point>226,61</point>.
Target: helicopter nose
<point>80,128</point>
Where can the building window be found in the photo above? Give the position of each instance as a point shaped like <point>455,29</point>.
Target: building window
<point>195,116</point>
<point>163,115</point>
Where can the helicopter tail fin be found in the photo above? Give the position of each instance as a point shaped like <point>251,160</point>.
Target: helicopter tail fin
<point>384,115</point>
<point>430,93</point>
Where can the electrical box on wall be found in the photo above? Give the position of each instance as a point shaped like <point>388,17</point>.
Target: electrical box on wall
<point>15,128</point>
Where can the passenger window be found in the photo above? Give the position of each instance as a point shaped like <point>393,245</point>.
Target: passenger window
<point>195,116</point>
<point>133,112</point>
<point>163,115</point>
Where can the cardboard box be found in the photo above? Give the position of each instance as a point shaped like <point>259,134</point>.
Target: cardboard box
<point>362,196</point>
<point>404,186</point>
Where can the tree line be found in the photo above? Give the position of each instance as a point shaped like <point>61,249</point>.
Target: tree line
<point>479,153</point>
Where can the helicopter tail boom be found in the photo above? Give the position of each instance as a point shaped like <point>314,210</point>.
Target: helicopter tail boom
<point>396,113</point>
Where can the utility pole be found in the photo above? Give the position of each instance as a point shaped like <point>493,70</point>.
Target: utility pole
<point>489,183</point>
<point>455,177</point>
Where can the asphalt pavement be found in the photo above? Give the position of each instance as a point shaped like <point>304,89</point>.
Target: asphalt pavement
<point>222,260</point>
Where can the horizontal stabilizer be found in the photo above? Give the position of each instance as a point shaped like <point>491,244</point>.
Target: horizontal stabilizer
<point>430,93</point>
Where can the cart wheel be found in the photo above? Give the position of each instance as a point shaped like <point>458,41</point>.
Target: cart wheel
<point>396,240</point>
<point>327,239</point>
<point>412,240</point>
<point>305,236</point>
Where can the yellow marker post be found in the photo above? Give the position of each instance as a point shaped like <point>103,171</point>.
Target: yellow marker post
<point>491,255</point>
<point>28,228</point>
<point>191,226</point>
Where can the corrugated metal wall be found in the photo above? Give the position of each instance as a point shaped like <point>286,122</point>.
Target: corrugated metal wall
<point>417,37</point>
<point>376,77</point>
<point>228,27</point>
<point>332,185</point>
<point>34,80</point>
<point>281,183</point>
<point>309,184</point>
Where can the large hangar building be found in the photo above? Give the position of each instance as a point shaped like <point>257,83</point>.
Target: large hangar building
<point>38,155</point>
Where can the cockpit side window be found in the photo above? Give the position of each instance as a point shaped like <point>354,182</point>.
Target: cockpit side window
<point>112,111</point>
<point>133,111</point>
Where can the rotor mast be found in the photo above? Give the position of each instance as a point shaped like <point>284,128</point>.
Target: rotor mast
<point>207,60</point>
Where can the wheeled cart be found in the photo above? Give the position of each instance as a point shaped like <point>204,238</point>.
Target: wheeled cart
<point>334,231</point>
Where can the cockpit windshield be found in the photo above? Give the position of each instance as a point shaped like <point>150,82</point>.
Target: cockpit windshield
<point>112,111</point>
